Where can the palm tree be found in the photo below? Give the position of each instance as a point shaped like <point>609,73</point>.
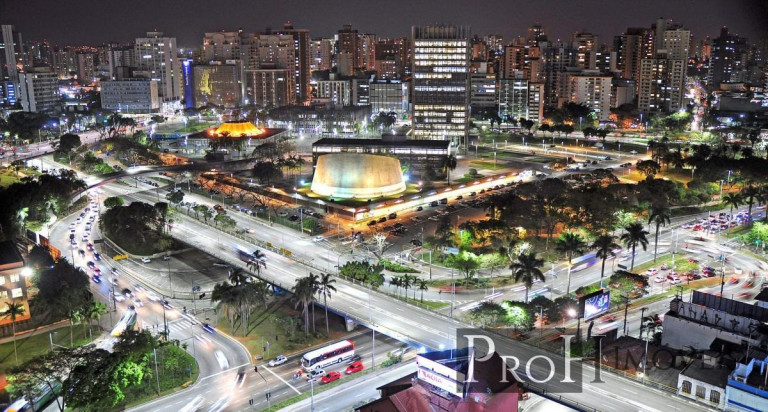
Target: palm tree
<point>225,295</point>
<point>304,290</point>
<point>527,269</point>
<point>604,246</point>
<point>449,164</point>
<point>13,310</point>
<point>570,243</point>
<point>635,234</point>
<point>422,285</point>
<point>396,281</point>
<point>325,287</point>
<point>660,216</point>
<point>749,194</point>
<point>733,200</point>
<point>237,276</point>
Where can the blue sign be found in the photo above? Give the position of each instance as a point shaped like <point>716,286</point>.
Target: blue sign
<point>596,304</point>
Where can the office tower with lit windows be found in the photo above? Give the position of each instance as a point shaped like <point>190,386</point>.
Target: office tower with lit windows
<point>727,58</point>
<point>301,55</point>
<point>440,82</point>
<point>348,55</point>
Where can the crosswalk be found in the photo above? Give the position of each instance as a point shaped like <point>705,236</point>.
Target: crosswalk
<point>178,325</point>
<point>735,242</point>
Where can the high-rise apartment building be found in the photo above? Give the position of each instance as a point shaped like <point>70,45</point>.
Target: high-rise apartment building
<point>269,87</point>
<point>348,54</point>
<point>85,67</point>
<point>661,85</point>
<point>519,98</point>
<point>586,45</point>
<point>727,57</point>
<point>367,44</point>
<point>631,48</point>
<point>220,47</point>
<point>155,55</point>
<point>321,54</point>
<point>525,58</point>
<point>302,56</point>
<point>557,59</point>
<point>441,82</point>
<point>11,53</point>
<point>536,34</point>
<point>591,89</point>
<point>39,91</point>
<point>391,58</point>
<point>483,86</point>
<point>278,51</point>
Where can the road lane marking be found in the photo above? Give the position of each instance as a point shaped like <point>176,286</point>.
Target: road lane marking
<point>284,381</point>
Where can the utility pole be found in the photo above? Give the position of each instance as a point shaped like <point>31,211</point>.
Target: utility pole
<point>642,317</point>
<point>626,310</point>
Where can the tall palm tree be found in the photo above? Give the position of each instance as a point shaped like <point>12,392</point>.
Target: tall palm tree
<point>634,235</point>
<point>13,310</point>
<point>570,243</point>
<point>749,195</point>
<point>422,285</point>
<point>237,276</point>
<point>733,200</point>
<point>604,246</point>
<point>227,303</point>
<point>661,217</point>
<point>325,287</point>
<point>304,291</point>
<point>95,311</point>
<point>527,269</point>
<point>396,281</point>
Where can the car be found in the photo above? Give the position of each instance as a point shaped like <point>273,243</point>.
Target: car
<point>734,280</point>
<point>330,377</point>
<point>659,279</point>
<point>72,226</point>
<point>96,256</point>
<point>696,228</point>
<point>283,214</point>
<point>96,279</point>
<point>89,246</point>
<point>459,197</point>
<point>152,296</point>
<point>88,228</point>
<point>633,152</point>
<point>402,350</point>
<point>420,208</point>
<point>138,302</point>
<point>444,201</point>
<point>744,295</point>
<point>664,266</point>
<point>382,219</point>
<point>675,280</point>
<point>473,194</point>
<point>250,230</point>
<point>372,223</point>
<point>208,328</point>
<point>279,360</point>
<point>652,271</point>
<point>113,281</point>
<point>138,287</point>
<point>294,218</point>
<point>218,207</point>
<point>166,258</point>
<point>86,238</point>
<point>314,374</point>
<point>354,368</point>
<point>119,298</point>
<point>221,359</point>
<point>392,216</point>
<point>433,218</point>
<point>416,242</point>
<point>145,260</point>
<point>433,203</point>
<point>127,293</point>
<point>167,305</point>
<point>90,265</point>
<point>97,271</point>
<point>81,252</point>
<point>240,378</point>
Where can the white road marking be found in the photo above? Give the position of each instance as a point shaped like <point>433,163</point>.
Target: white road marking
<point>284,381</point>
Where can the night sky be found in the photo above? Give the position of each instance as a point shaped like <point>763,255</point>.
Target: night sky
<point>92,22</point>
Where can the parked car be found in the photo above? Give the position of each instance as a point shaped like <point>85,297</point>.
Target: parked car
<point>315,374</point>
<point>145,260</point>
<point>392,216</point>
<point>318,238</point>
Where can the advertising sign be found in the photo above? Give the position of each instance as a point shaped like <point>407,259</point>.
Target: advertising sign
<point>595,304</point>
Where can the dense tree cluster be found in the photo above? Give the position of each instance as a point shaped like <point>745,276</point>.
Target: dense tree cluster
<point>139,227</point>
<point>34,199</point>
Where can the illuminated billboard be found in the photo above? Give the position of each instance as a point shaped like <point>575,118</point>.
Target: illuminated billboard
<point>595,304</point>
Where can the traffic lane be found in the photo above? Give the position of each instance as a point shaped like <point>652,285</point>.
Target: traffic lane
<point>280,382</point>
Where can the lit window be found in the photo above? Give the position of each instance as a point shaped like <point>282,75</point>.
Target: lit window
<point>14,278</point>
<point>16,293</point>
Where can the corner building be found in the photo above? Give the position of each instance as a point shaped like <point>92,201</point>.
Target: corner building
<point>441,82</point>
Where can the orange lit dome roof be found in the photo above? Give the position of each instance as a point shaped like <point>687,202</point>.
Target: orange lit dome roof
<point>238,129</point>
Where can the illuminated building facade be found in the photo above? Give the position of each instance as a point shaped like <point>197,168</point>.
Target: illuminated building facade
<point>39,91</point>
<point>156,56</point>
<point>441,82</point>
<point>217,84</point>
<point>13,286</point>
<point>357,175</point>
<point>130,96</point>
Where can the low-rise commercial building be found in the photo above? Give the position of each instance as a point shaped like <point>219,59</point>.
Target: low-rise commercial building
<point>130,96</point>
<point>13,285</point>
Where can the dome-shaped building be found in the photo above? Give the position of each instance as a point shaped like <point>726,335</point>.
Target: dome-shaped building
<point>357,175</point>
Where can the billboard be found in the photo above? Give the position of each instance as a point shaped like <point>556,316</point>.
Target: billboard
<point>595,304</point>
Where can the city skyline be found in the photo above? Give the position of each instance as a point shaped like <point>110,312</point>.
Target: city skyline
<point>189,22</point>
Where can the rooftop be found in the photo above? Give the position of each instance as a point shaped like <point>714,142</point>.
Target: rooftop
<point>714,375</point>
<point>332,141</point>
<point>9,254</point>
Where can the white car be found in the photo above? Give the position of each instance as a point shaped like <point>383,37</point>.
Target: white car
<point>279,360</point>
<point>318,238</point>
<point>145,260</point>
<point>119,298</point>
<point>152,296</point>
<point>675,281</point>
<point>315,374</point>
<point>223,362</point>
<point>659,279</point>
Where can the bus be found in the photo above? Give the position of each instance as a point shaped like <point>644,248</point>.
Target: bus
<point>334,353</point>
<point>127,321</point>
<point>256,256</point>
<point>44,395</point>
